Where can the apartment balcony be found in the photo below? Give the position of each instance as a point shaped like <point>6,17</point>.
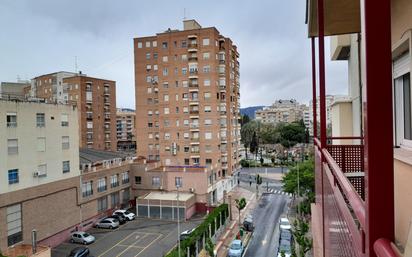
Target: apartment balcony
<point>192,36</point>
<point>192,47</point>
<point>222,61</point>
<point>194,127</point>
<point>106,91</point>
<point>194,140</point>
<point>193,84</point>
<point>194,112</point>
<point>106,128</point>
<point>192,58</point>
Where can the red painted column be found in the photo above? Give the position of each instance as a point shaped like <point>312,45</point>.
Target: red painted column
<point>322,90</point>
<point>322,107</point>
<point>314,94</point>
<point>377,81</point>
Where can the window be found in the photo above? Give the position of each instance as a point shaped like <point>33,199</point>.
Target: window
<point>64,120</point>
<point>138,180</point>
<point>207,95</point>
<point>155,55</point>
<point>177,108</point>
<point>12,146</point>
<point>154,43</point>
<point>165,71</point>
<point>139,44</point>
<point>147,43</point>
<point>166,98</point>
<point>208,161</point>
<point>114,181</point>
<point>89,96</point>
<point>186,149</point>
<point>11,119</point>
<point>184,57</point>
<point>165,59</point>
<point>102,204</point>
<point>167,136</point>
<point>206,69</point>
<point>208,108</point>
<point>184,43</point>
<point>101,185</point>
<point>206,82</point>
<point>41,144</point>
<point>178,182</point>
<point>65,142</point>
<point>208,135</point>
<point>164,45</point>
<point>186,122</point>
<point>155,68</point>
<point>13,176</point>
<point>206,56</point>
<point>186,135</point>
<point>206,41</point>
<point>403,110</point>
<point>40,120</point>
<point>147,56</point>
<point>186,109</point>
<point>66,166</point>
<point>14,224</point>
<point>125,177</point>
<point>166,110</point>
<point>42,170</point>
<point>184,71</point>
<point>187,161</point>
<point>208,148</point>
<point>114,199</point>
<point>208,122</point>
<point>185,83</point>
<point>156,181</point>
<point>148,79</point>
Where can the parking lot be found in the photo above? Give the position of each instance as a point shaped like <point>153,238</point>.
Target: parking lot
<point>141,237</point>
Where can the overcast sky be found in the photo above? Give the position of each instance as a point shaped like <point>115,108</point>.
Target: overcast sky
<point>44,36</point>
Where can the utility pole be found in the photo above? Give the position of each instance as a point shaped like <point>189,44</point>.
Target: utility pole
<point>178,185</point>
<point>267,182</point>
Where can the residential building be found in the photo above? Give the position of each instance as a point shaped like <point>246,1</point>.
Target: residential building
<point>363,171</point>
<point>126,129</point>
<point>39,160</point>
<point>96,99</point>
<point>281,111</point>
<point>187,101</point>
<point>13,90</point>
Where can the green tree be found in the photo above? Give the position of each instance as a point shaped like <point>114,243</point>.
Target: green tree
<point>245,119</point>
<point>292,133</point>
<point>299,231</point>
<point>306,171</point>
<point>209,246</point>
<point>240,205</point>
<point>246,133</point>
<point>254,145</point>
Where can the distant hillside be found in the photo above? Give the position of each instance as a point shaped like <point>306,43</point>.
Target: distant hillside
<point>250,111</point>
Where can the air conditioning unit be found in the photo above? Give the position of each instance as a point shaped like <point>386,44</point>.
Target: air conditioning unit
<point>161,188</point>
<point>35,174</point>
<point>191,190</point>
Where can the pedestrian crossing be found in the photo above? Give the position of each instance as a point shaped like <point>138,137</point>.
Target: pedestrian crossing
<point>279,192</point>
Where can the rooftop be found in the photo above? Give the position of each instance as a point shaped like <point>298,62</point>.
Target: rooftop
<point>94,156</point>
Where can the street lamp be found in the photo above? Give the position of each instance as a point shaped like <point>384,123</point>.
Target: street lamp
<point>178,183</point>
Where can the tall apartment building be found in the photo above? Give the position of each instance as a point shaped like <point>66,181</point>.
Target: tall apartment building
<point>39,160</point>
<point>281,111</point>
<point>126,129</point>
<point>96,101</point>
<point>187,99</point>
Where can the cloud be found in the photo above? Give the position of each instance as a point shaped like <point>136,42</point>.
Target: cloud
<point>45,36</point>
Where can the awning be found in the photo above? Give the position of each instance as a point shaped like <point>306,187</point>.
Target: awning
<point>341,17</point>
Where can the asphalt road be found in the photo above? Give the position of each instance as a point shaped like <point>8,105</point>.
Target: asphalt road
<point>264,242</point>
<point>138,238</point>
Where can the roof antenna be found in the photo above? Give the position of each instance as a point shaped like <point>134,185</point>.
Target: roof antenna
<point>184,14</point>
<point>75,64</point>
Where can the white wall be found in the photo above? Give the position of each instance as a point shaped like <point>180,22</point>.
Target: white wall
<point>28,157</point>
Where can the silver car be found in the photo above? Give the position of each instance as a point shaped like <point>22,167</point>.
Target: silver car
<point>82,238</point>
<point>108,223</point>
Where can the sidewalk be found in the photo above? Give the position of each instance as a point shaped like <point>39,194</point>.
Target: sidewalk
<point>233,228</point>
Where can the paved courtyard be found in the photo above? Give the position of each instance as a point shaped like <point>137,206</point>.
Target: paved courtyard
<point>139,238</point>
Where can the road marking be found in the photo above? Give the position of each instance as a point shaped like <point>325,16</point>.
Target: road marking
<point>132,245</point>
<point>117,244</point>
<point>160,235</point>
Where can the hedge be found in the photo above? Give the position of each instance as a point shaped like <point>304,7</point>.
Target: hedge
<point>202,229</point>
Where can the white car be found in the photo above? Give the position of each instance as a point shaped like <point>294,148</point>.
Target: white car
<point>236,249</point>
<point>82,238</point>
<point>126,213</point>
<point>108,223</point>
<point>284,224</point>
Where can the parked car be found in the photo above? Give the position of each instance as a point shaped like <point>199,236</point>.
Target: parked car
<point>285,235</point>
<point>79,252</point>
<point>248,224</point>
<point>236,249</point>
<point>129,215</point>
<point>284,224</point>
<point>107,223</point>
<point>120,218</point>
<point>284,247</point>
<point>82,238</point>
<point>185,234</point>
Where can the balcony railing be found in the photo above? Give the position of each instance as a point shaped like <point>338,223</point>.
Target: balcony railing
<point>343,194</point>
